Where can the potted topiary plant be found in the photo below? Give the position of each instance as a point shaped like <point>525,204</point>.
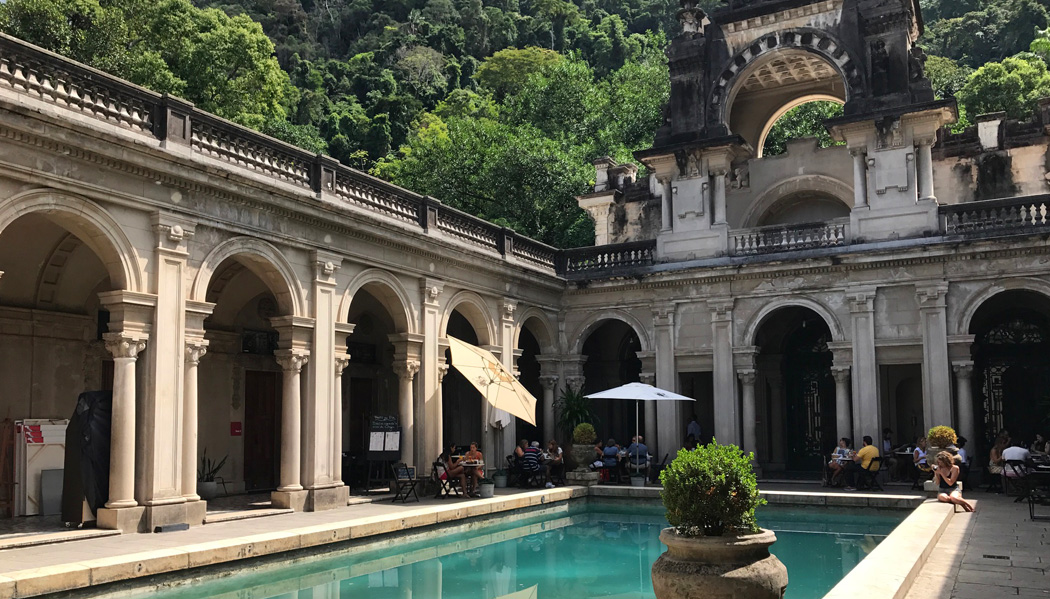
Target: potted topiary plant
<point>938,439</point>
<point>583,438</point>
<point>206,486</point>
<point>486,487</point>
<point>714,545</point>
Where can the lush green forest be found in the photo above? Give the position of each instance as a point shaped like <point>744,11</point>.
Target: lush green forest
<point>497,107</point>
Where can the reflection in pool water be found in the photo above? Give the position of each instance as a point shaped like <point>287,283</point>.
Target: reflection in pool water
<point>562,552</point>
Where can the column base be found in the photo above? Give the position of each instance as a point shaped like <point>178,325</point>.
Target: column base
<point>585,478</point>
<point>191,513</point>
<point>125,519</point>
<point>295,500</point>
<point>326,499</point>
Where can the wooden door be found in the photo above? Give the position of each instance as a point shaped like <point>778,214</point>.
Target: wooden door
<point>261,431</point>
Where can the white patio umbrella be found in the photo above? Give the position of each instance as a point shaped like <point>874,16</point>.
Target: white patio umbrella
<point>496,383</point>
<point>639,392</point>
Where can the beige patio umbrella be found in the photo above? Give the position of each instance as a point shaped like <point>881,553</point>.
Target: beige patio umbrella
<point>496,383</point>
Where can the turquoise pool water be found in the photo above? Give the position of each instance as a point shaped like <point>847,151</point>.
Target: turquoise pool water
<point>599,550</point>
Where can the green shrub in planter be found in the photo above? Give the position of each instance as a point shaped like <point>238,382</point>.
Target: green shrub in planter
<point>584,434</point>
<point>710,491</point>
<point>941,436</point>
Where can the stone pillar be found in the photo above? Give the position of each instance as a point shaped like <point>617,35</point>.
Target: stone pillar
<point>865,370</point>
<point>406,375</point>
<point>342,360</point>
<point>964,400</point>
<point>432,365</point>
<point>842,415</point>
<point>291,363</point>
<point>720,196</point>
<point>747,407</point>
<point>649,409</point>
<point>667,437</point>
<point>666,203</point>
<point>924,166</point>
<point>727,417</point>
<point>936,370</point>
<point>195,349</point>
<point>705,201</point>
<point>549,383</point>
<point>860,177</point>
<point>125,350</point>
<point>509,358</point>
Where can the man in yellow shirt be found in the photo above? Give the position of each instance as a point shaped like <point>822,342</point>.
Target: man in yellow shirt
<point>861,461</point>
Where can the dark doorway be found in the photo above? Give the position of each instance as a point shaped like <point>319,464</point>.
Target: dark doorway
<point>262,436</point>
<point>810,397</point>
<point>701,387</point>
<point>612,360</point>
<point>461,401</point>
<point>361,394</point>
<point>529,376</point>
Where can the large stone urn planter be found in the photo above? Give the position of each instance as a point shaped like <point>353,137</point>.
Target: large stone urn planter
<point>583,455</point>
<point>727,567</point>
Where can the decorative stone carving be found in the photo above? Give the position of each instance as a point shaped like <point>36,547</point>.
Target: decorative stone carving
<point>442,371</point>
<point>124,346</point>
<point>292,360</point>
<point>840,374</point>
<point>408,369</point>
<point>963,370</point>
<point>647,378</point>
<point>747,376</point>
<point>342,361</point>
<point>195,350</point>
<point>549,381</point>
<point>575,382</point>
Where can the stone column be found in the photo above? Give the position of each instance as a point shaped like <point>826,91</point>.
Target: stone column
<point>549,383</point>
<point>705,201</point>
<point>860,177</point>
<point>125,349</point>
<point>720,196</point>
<point>964,400</point>
<point>727,417</point>
<point>291,362</point>
<point>432,364</point>
<point>195,350</point>
<point>509,358</point>
<point>865,371</point>
<point>666,203</point>
<point>649,408</point>
<point>842,415</point>
<point>747,407</point>
<point>936,377</point>
<point>924,166</point>
<point>668,436</point>
<point>341,362</point>
<point>406,375</point>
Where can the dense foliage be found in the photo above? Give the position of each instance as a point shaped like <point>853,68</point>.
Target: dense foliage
<point>711,490</point>
<point>496,107</point>
<point>941,436</point>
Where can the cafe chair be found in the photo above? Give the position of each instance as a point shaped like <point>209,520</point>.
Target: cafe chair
<point>1020,479</point>
<point>447,486</point>
<point>405,482</point>
<point>868,478</point>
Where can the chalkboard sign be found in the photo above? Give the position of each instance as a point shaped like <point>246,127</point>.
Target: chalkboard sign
<point>384,439</point>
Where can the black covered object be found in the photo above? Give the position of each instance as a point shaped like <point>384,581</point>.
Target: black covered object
<point>87,455</point>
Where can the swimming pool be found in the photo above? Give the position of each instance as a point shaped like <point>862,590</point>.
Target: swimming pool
<point>598,549</point>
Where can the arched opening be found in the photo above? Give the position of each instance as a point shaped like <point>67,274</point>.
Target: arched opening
<point>612,360</point>
<point>1011,378</point>
<point>795,391</point>
<point>529,377</point>
<point>800,119</point>
<point>804,207</point>
<point>370,384</point>
<point>776,83</point>
<point>462,407</point>
<point>51,347</point>
<point>240,380</point>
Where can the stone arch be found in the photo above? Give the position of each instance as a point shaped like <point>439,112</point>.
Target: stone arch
<point>388,290</point>
<point>817,184</point>
<point>978,299</point>
<point>544,333</point>
<point>759,317</point>
<point>759,147</point>
<point>814,41</point>
<point>263,259</point>
<point>596,319</point>
<point>473,307</point>
<point>95,227</point>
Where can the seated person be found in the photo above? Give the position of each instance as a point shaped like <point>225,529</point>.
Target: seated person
<point>474,473</point>
<point>861,461</point>
<point>960,448</point>
<point>599,451</point>
<point>531,461</point>
<point>1015,452</point>
<point>887,451</point>
<point>638,455</point>
<point>1040,445</point>
<point>555,461</point>
<point>839,458</point>
<point>947,478</point>
<point>918,456</point>
<point>453,469</point>
<point>611,454</point>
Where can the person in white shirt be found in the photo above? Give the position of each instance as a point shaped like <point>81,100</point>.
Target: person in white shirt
<point>693,428</point>
<point>960,445</point>
<point>1016,453</point>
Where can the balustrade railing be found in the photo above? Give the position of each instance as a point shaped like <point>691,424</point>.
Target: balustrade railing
<point>1017,215</point>
<point>245,148</point>
<point>377,195</point>
<point>786,238</point>
<point>612,257</point>
<point>530,250</point>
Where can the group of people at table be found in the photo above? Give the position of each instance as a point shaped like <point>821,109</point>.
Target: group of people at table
<point>469,468</point>
<point>633,458</point>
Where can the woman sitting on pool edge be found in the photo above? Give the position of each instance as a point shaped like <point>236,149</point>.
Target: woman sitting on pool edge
<point>946,475</point>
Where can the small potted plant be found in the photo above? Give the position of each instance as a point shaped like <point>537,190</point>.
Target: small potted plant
<point>714,545</point>
<point>499,477</point>
<point>206,487</point>
<point>583,438</point>
<point>486,487</point>
<point>940,438</point>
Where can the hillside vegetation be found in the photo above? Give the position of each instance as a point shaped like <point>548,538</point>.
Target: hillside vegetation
<point>497,107</point>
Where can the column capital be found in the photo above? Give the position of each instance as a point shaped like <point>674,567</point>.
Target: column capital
<point>549,381</point>
<point>406,369</point>
<point>931,295</point>
<point>292,360</point>
<point>663,315</point>
<point>442,371</point>
<point>431,289</point>
<point>195,350</point>
<point>325,265</point>
<point>858,152</point>
<point>125,345</point>
<point>341,362</point>
<point>926,141</point>
<point>840,373</point>
<point>664,178</point>
<point>173,232</point>
<point>861,298</point>
<point>721,308</point>
<point>747,376</point>
<point>575,382</point>
<point>649,378</point>
<point>507,308</point>
<point>963,370</point>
